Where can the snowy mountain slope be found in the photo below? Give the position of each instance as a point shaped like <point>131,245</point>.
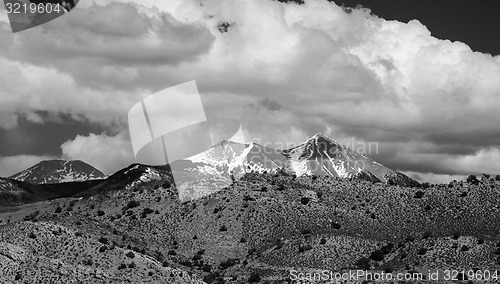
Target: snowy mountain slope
<point>319,155</point>
<point>58,171</point>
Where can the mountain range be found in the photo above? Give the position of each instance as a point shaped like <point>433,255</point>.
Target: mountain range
<point>207,172</point>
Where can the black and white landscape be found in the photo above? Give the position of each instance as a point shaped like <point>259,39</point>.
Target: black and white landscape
<point>371,143</point>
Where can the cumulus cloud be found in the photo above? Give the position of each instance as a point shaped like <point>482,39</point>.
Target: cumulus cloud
<point>13,164</point>
<point>106,153</point>
<point>285,71</point>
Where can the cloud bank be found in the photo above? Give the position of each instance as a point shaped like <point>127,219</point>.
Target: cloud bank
<point>285,71</point>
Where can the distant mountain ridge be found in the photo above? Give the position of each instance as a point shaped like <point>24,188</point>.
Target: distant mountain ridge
<point>58,171</point>
<point>199,175</point>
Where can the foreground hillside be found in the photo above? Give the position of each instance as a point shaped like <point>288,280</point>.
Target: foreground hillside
<point>256,231</point>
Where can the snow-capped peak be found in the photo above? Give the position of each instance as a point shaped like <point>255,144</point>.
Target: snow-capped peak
<point>58,171</point>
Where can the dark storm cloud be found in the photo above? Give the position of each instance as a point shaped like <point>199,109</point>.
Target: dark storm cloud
<point>30,138</point>
<point>116,34</point>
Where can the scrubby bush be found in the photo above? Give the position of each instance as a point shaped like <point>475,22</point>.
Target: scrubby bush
<point>103,248</point>
<point>133,204</point>
<point>228,263</point>
<point>103,240</point>
<point>130,254</point>
<point>336,225</point>
<point>419,194</point>
<point>363,263</point>
<point>377,255</point>
<point>422,251</point>
<point>100,213</point>
<point>254,278</point>
<point>58,210</point>
<point>146,211</point>
<point>472,179</point>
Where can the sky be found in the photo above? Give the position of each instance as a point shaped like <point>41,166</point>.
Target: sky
<point>419,81</point>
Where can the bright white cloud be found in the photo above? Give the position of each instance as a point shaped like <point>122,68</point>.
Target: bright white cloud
<point>106,153</point>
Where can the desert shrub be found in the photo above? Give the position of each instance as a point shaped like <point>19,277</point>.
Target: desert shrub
<point>130,254</point>
<point>32,216</point>
<point>103,248</point>
<point>422,251</point>
<point>78,234</point>
<point>103,240</point>
<point>100,213</point>
<point>419,194</point>
<point>158,255</point>
<point>133,204</point>
<point>18,276</point>
<point>377,255</point>
<point>122,266</point>
<point>480,241</point>
<point>472,179</point>
<point>58,210</point>
<point>304,200</point>
<point>387,248</point>
<point>254,278</point>
<point>464,248</point>
<point>211,278</point>
<point>228,263</point>
<point>186,263</point>
<point>322,241</point>
<point>305,248</point>
<point>132,265</point>
<point>456,236</point>
<point>363,263</point>
<point>223,228</point>
<point>88,262</point>
<point>172,252</point>
<point>336,225</point>
<point>243,240</point>
<point>166,184</point>
<point>146,211</point>
<point>305,232</point>
<point>497,177</point>
<point>32,235</point>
